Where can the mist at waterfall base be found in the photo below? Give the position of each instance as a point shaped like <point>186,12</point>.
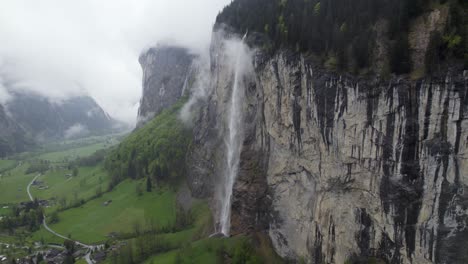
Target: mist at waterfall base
<point>238,57</point>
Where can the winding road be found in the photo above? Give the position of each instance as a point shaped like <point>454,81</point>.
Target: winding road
<point>44,223</point>
<point>29,186</point>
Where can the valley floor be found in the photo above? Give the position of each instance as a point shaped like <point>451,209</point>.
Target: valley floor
<point>128,223</point>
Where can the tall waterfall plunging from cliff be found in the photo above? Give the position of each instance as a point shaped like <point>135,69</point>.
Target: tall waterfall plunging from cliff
<point>233,138</point>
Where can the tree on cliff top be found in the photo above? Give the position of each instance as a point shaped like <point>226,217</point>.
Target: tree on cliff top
<point>344,29</point>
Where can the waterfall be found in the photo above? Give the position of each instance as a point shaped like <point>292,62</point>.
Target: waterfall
<point>186,81</point>
<point>233,141</point>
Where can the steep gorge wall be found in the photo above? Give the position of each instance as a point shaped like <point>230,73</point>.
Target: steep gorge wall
<point>166,72</point>
<point>334,165</point>
<point>365,166</point>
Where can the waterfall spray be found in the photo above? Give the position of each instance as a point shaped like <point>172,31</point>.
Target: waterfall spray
<point>233,142</point>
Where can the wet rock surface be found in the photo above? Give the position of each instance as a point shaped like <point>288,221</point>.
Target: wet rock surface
<point>336,165</point>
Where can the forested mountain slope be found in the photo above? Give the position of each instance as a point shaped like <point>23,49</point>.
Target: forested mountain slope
<point>348,32</point>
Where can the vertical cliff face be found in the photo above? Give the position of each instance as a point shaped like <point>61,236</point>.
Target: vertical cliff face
<point>166,74</point>
<point>336,166</point>
<point>365,166</point>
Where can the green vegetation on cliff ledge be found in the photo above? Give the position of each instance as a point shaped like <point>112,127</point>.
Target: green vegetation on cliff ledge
<point>156,150</point>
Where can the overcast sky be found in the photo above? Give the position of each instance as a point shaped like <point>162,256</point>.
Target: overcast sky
<point>61,48</point>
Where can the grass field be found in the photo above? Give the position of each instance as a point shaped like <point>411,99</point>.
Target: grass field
<point>5,211</point>
<point>13,185</point>
<point>45,236</point>
<point>74,153</point>
<point>93,221</point>
<point>81,261</point>
<point>202,251</point>
<point>6,164</point>
<point>180,240</point>
<point>198,252</point>
<point>72,189</point>
<point>8,239</point>
<point>71,149</point>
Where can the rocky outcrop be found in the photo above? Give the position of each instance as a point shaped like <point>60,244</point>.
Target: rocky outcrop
<point>335,166</point>
<point>166,74</point>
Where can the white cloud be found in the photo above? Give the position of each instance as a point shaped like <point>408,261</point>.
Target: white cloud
<point>77,130</point>
<point>62,48</point>
<point>4,96</point>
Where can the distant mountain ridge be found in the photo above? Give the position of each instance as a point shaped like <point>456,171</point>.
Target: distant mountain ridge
<point>28,118</point>
<point>12,137</point>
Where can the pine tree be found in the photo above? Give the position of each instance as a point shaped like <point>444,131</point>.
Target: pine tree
<point>149,185</point>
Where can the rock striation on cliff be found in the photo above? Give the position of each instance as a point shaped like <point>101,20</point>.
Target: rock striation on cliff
<point>335,166</point>
<point>166,74</point>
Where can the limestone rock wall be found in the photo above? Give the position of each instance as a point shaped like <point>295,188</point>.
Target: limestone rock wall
<point>366,167</point>
<point>334,166</point>
<point>166,75</point>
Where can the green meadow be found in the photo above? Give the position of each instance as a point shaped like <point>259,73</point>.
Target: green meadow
<point>74,153</point>
<point>13,185</point>
<point>6,164</point>
<point>94,221</point>
<point>59,184</point>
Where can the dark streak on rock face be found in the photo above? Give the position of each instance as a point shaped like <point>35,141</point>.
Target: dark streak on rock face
<point>279,89</point>
<point>410,198</point>
<point>427,114</point>
<point>388,163</point>
<point>463,93</point>
<point>297,107</point>
<point>388,250</point>
<point>317,248</point>
<point>325,89</point>
<point>332,241</point>
<point>364,235</point>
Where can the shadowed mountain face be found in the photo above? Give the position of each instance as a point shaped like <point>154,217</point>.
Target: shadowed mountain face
<point>166,72</point>
<point>47,120</point>
<point>28,118</point>
<point>12,137</point>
